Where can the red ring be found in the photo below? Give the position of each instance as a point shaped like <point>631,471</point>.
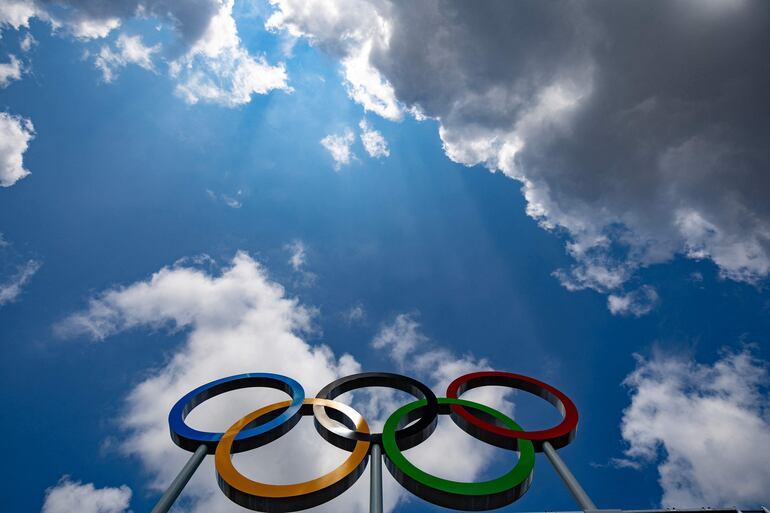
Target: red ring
<point>557,436</point>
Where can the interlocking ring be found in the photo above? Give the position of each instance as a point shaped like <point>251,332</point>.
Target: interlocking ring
<point>279,498</point>
<point>190,439</point>
<point>408,437</point>
<point>454,494</point>
<point>504,437</point>
<point>345,428</point>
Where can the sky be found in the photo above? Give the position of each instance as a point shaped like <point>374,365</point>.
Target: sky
<point>573,191</point>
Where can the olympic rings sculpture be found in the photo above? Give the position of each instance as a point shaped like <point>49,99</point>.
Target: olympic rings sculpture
<point>345,428</point>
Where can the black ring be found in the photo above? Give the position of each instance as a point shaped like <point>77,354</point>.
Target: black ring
<point>407,437</point>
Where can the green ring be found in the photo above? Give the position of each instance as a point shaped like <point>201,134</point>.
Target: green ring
<point>455,494</point>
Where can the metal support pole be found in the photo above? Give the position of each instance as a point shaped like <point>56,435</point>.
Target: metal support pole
<point>580,495</point>
<point>375,484</point>
<point>179,482</point>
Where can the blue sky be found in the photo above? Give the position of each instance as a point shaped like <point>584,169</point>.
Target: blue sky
<point>650,327</point>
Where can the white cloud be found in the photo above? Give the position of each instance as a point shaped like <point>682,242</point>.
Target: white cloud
<point>414,353</point>
<point>68,496</point>
<point>355,314</point>
<point>128,50</point>
<point>231,201</point>
<point>374,143</point>
<point>401,338</point>
<point>15,134</point>
<point>298,261</point>
<point>338,146</point>
<point>11,289</point>
<point>83,27</point>
<point>237,321</point>
<point>229,78</point>
<point>628,169</point>
<point>208,59</point>
<point>637,302</point>
<point>350,29</point>
<point>27,42</point>
<point>706,426</point>
<point>240,321</point>
<point>218,69</point>
<point>298,257</point>
<point>17,13</point>
<point>10,71</point>
<point>367,87</point>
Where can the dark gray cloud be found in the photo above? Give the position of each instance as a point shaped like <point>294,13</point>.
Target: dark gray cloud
<point>639,129</point>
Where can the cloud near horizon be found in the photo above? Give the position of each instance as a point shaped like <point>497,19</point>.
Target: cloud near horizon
<point>68,496</point>
<point>707,427</point>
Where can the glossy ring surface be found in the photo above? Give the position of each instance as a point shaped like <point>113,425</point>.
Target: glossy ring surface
<point>408,437</point>
<point>280,498</point>
<point>558,436</point>
<point>483,495</point>
<point>190,439</point>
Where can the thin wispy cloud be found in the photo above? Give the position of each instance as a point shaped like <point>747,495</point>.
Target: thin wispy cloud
<point>374,143</point>
<point>338,146</point>
<point>12,288</point>
<point>298,260</point>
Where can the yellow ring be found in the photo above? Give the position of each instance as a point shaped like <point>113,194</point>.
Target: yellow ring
<point>271,497</point>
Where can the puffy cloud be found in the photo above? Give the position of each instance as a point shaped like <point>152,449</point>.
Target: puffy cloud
<point>229,79</point>
<point>366,86</point>
<point>10,71</point>
<point>11,289</point>
<point>128,50</point>
<point>637,302</point>
<point>338,146</point>
<point>706,426</point>
<point>374,143</point>
<point>207,57</point>
<point>68,496</point>
<point>27,42</point>
<point>401,338</point>
<point>15,134</point>
<point>414,353</point>
<point>635,152</point>
<point>350,29</point>
<point>17,13</point>
<point>237,321</point>
<point>92,28</point>
<point>218,69</point>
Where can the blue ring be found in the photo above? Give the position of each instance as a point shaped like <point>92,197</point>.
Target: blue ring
<point>190,439</point>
